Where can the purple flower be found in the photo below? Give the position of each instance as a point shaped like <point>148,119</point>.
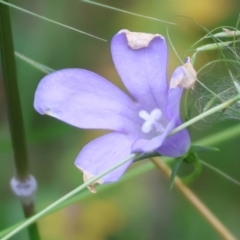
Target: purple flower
<point>140,122</point>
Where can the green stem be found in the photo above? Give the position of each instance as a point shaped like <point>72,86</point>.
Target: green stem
<point>224,175</point>
<point>219,107</point>
<point>12,93</point>
<point>14,108</point>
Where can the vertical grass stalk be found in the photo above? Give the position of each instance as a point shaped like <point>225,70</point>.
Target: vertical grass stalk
<point>22,177</point>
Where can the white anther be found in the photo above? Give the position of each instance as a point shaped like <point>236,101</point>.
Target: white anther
<point>151,120</point>
<point>144,115</point>
<point>147,127</point>
<point>24,190</point>
<point>156,114</point>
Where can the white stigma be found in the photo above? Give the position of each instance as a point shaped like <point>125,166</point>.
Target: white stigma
<point>151,120</point>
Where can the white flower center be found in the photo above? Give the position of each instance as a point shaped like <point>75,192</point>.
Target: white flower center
<point>151,120</point>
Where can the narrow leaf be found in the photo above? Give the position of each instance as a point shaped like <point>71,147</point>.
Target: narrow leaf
<point>198,148</point>
<point>178,162</point>
<point>214,46</point>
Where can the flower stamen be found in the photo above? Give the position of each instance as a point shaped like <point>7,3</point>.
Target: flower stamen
<point>151,120</point>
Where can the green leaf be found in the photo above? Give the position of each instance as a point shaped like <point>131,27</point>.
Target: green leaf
<point>226,33</point>
<point>193,58</point>
<point>198,148</point>
<point>195,162</point>
<point>192,159</point>
<point>214,46</point>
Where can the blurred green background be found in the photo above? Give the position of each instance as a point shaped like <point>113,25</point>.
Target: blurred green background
<point>143,207</point>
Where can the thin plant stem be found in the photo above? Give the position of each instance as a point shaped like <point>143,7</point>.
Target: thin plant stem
<point>221,173</point>
<point>14,109</point>
<point>127,12</point>
<point>219,107</point>
<point>50,20</point>
<point>34,64</point>
<point>195,201</point>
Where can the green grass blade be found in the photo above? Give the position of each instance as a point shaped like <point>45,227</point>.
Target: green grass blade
<point>127,12</point>
<point>34,64</point>
<point>50,20</point>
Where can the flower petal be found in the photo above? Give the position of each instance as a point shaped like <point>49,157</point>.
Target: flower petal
<point>104,152</point>
<point>85,100</point>
<point>145,146</point>
<point>184,76</point>
<point>141,61</point>
<point>175,145</point>
<point>174,96</point>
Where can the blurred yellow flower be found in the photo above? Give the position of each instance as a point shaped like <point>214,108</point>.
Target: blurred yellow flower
<point>206,12</point>
<point>94,221</point>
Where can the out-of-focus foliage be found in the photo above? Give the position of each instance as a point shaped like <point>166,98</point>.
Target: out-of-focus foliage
<point>143,208</point>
